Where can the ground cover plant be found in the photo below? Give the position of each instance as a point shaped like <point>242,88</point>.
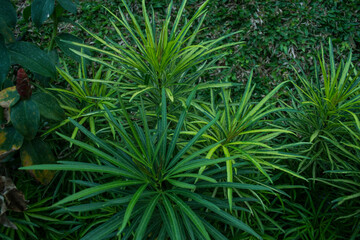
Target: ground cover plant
<point>185,120</point>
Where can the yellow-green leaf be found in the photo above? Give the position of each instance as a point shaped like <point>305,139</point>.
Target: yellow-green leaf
<point>38,152</point>
<point>9,96</point>
<point>10,141</point>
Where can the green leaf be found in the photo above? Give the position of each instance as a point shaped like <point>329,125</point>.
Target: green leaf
<point>100,232</point>
<point>97,190</point>
<point>27,13</point>
<point>179,125</point>
<point>48,106</point>
<point>8,97</point>
<point>64,42</point>
<point>131,206</point>
<point>41,10</point>
<point>33,58</point>
<point>25,117</point>
<point>140,231</point>
<point>37,152</point>
<point>82,167</point>
<point>4,60</point>
<point>172,217</point>
<point>6,31</point>
<point>10,140</point>
<point>191,214</point>
<point>314,135</point>
<point>234,221</point>
<point>244,186</point>
<point>181,184</point>
<point>197,176</point>
<point>116,161</point>
<point>195,164</point>
<point>8,13</point>
<point>341,200</point>
<point>68,5</point>
<point>190,143</point>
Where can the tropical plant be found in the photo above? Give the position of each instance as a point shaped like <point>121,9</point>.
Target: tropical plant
<point>20,109</point>
<point>307,216</point>
<point>86,96</point>
<point>28,55</point>
<point>244,130</point>
<point>157,59</point>
<point>151,182</point>
<point>345,200</point>
<point>23,121</point>
<point>327,105</point>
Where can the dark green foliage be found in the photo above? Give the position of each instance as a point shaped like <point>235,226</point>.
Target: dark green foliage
<point>66,47</point>
<point>152,158</point>
<point>31,57</point>
<point>25,117</point>
<point>48,106</point>
<point>41,10</point>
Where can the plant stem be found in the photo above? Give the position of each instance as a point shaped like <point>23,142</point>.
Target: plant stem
<point>53,35</point>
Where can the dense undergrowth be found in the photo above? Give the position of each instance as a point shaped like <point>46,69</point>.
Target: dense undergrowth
<point>184,120</point>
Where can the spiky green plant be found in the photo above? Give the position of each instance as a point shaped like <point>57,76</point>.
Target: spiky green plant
<point>244,131</point>
<point>346,183</point>
<point>153,58</point>
<point>327,103</point>
<point>85,98</point>
<point>150,182</point>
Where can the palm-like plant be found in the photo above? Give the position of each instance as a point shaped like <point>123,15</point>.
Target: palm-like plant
<point>243,130</point>
<point>152,184</point>
<point>327,105</point>
<point>346,181</point>
<point>153,59</point>
<point>86,97</point>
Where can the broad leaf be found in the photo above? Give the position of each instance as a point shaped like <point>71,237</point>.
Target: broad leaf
<point>8,13</point>
<point>8,97</point>
<point>68,5</point>
<point>33,58</point>
<point>4,61</point>
<point>37,152</point>
<point>6,32</point>
<point>10,140</point>
<point>48,106</point>
<point>25,117</point>
<point>64,42</point>
<point>27,13</point>
<point>41,10</point>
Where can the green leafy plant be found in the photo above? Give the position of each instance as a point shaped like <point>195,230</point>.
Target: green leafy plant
<point>328,103</point>
<point>326,116</point>
<point>243,130</point>
<point>153,59</point>
<point>346,181</point>
<point>307,217</point>
<point>23,123</point>
<point>26,54</point>
<point>86,97</point>
<point>151,183</point>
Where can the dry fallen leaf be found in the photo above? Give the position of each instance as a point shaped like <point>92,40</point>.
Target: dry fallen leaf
<point>10,199</point>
